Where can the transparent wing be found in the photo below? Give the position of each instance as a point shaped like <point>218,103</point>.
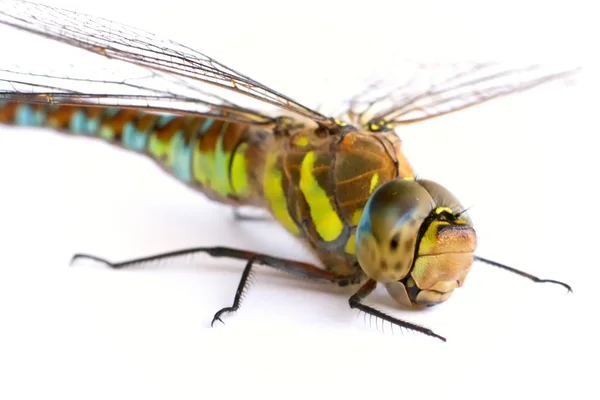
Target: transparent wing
<point>149,91</point>
<point>433,90</point>
<point>120,42</point>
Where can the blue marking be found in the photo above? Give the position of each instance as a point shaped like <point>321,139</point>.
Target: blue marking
<point>25,115</point>
<point>164,120</point>
<point>111,112</point>
<point>39,117</point>
<point>78,122</point>
<point>182,158</point>
<point>364,225</point>
<point>206,126</point>
<point>134,140</point>
<point>92,126</point>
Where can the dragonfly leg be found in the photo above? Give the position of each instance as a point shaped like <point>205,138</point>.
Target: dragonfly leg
<point>523,273</point>
<point>238,294</point>
<point>240,216</point>
<point>297,268</point>
<point>355,301</point>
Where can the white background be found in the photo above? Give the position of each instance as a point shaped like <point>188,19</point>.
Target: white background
<point>527,163</point>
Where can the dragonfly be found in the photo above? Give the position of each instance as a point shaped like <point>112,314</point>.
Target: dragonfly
<point>340,185</point>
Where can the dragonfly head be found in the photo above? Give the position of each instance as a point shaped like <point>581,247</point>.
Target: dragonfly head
<point>416,238</point>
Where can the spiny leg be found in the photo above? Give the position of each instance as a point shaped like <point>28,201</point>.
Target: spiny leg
<point>238,294</point>
<point>355,301</point>
<point>522,273</point>
<point>297,268</point>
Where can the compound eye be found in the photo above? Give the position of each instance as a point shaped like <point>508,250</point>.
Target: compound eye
<point>394,204</point>
<point>387,232</point>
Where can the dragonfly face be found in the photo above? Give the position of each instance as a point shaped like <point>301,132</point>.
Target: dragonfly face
<point>416,239</point>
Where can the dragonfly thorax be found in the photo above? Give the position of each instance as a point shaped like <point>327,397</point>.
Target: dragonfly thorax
<point>416,239</point>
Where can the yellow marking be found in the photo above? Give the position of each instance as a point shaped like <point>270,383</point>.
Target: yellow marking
<point>273,189</point>
<point>201,166</point>
<point>220,162</point>
<point>440,210</point>
<point>53,123</point>
<point>409,178</point>
<point>374,180</point>
<point>378,126</point>
<point>160,150</point>
<point>356,216</point>
<point>430,238</point>
<point>351,244</point>
<point>340,123</point>
<point>302,141</point>
<point>326,220</point>
<point>107,133</point>
<point>239,176</point>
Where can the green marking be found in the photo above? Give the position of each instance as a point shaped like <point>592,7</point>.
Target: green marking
<point>273,189</point>
<point>159,150</point>
<point>239,176</point>
<point>221,164</point>
<point>106,132</point>
<point>326,220</point>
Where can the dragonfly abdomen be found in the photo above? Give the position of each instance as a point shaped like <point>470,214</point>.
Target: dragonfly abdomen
<point>205,153</point>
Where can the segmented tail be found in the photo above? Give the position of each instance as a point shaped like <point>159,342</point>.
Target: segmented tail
<point>211,155</point>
